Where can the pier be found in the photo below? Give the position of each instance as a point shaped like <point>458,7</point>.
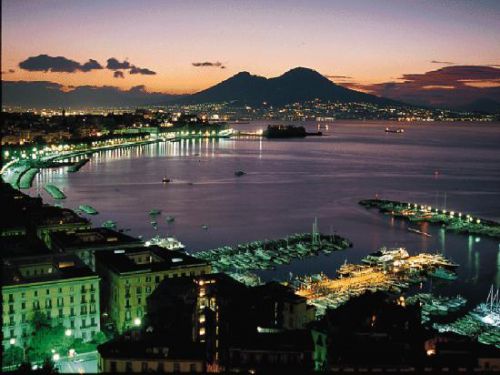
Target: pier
<point>450,220</point>
<point>259,255</point>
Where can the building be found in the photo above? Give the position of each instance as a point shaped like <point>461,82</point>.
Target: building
<point>47,219</point>
<point>59,286</point>
<point>280,352</point>
<point>129,276</point>
<point>85,242</point>
<point>150,353</point>
<point>217,311</point>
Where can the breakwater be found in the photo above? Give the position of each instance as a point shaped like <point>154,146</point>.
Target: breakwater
<point>54,191</point>
<point>450,220</point>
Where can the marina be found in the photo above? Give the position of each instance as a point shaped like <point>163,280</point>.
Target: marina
<point>169,243</point>
<point>450,220</point>
<point>385,270</point>
<point>433,306</point>
<point>483,322</point>
<point>269,254</point>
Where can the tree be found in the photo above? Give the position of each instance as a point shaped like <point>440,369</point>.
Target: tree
<point>13,355</point>
<point>46,338</point>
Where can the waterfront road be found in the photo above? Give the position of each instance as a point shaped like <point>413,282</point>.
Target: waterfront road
<point>85,363</point>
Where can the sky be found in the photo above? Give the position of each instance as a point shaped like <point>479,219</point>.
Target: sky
<point>191,45</point>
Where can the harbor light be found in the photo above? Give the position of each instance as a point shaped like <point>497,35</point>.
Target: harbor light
<point>12,341</point>
<point>137,322</point>
<point>68,332</point>
<point>459,214</point>
<point>452,213</point>
<point>444,211</point>
<point>478,221</point>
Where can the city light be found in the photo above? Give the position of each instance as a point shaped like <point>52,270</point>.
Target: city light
<point>137,321</point>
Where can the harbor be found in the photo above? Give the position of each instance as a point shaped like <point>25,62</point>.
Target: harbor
<point>392,270</point>
<point>450,220</point>
<point>483,322</point>
<point>261,255</point>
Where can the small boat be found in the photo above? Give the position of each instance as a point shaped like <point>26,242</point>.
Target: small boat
<point>204,226</point>
<point>442,273</point>
<point>239,173</point>
<point>399,130</point>
<point>166,180</point>
<point>170,219</point>
<point>110,224</point>
<point>155,212</point>
<point>414,230</point>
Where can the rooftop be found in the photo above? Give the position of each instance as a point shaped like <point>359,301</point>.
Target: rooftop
<point>92,238</point>
<point>22,246</point>
<point>51,215</point>
<point>145,259</point>
<point>52,267</point>
<point>151,346</point>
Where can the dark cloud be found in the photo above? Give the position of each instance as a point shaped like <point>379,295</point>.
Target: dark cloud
<point>449,87</point>
<point>114,64</point>
<point>44,94</point>
<point>90,65</point>
<point>118,74</point>
<point>442,62</point>
<point>137,70</point>
<point>207,64</point>
<point>46,63</point>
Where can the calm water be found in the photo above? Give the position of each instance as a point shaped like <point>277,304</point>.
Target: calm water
<point>289,182</point>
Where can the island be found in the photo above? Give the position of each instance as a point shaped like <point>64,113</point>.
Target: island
<point>286,131</point>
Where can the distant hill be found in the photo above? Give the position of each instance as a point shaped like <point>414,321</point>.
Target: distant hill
<point>296,85</point>
<point>45,94</point>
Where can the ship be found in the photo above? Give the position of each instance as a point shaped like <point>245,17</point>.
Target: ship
<point>110,224</point>
<point>385,256</point>
<point>155,212</point>
<point>442,273</point>
<point>399,130</point>
<point>239,173</point>
<point>166,180</point>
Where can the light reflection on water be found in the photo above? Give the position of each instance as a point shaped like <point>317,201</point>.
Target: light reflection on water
<point>289,182</point>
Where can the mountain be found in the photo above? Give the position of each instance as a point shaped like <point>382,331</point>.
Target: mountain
<point>40,94</point>
<point>296,85</point>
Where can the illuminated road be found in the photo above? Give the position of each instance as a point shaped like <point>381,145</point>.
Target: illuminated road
<point>85,363</point>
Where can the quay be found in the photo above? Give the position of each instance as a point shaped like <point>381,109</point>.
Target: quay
<point>450,220</point>
<point>392,273</point>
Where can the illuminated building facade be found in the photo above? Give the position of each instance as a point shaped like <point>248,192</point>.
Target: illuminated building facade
<point>131,275</point>
<point>59,286</point>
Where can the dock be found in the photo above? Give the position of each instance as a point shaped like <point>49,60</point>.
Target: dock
<point>452,221</point>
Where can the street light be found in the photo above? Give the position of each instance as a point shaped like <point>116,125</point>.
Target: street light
<point>12,341</point>
<point>68,332</point>
<point>56,357</point>
<point>137,321</point>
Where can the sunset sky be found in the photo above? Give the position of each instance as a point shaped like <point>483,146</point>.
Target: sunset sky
<point>363,42</point>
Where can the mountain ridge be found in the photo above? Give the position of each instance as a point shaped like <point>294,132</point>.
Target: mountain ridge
<point>296,85</point>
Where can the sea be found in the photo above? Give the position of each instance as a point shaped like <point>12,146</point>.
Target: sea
<point>291,182</point>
